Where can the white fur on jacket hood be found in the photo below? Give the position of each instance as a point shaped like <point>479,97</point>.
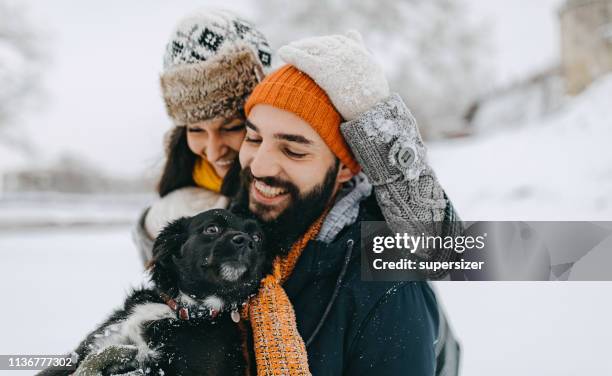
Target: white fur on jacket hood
<point>183,202</point>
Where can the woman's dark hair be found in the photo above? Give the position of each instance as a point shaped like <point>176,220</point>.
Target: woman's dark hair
<point>231,181</point>
<point>180,161</point>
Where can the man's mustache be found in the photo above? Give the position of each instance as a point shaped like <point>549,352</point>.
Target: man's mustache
<point>272,181</point>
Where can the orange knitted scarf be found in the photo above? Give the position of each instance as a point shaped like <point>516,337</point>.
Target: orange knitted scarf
<point>279,348</point>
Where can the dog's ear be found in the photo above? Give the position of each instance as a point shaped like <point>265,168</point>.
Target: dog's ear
<point>171,239</point>
<point>167,245</point>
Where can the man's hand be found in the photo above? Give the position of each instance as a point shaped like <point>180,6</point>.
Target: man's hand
<point>113,360</point>
<point>342,66</point>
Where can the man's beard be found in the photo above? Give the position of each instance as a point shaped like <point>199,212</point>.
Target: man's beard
<point>284,230</point>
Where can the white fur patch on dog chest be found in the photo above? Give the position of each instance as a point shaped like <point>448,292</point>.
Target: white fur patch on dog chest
<point>130,330</point>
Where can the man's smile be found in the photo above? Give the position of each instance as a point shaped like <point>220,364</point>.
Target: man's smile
<point>267,194</point>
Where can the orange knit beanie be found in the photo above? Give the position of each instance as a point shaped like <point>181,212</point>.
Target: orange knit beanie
<point>292,90</point>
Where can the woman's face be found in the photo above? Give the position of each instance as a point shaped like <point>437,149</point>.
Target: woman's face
<point>217,140</point>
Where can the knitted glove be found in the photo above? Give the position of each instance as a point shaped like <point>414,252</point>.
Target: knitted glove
<point>183,202</point>
<point>340,65</point>
<point>112,360</point>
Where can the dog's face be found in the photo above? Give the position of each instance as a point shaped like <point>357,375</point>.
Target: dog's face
<point>214,252</point>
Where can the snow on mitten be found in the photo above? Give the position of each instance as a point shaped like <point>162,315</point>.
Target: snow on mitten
<point>343,67</point>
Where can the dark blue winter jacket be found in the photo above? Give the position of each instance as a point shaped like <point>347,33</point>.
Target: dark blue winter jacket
<point>357,328</point>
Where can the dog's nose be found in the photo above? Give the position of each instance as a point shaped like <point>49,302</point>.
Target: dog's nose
<point>242,240</point>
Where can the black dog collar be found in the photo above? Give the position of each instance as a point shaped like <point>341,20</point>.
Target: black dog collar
<point>184,313</point>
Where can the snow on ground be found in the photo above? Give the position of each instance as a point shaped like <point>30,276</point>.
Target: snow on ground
<point>58,284</point>
<point>61,209</point>
<point>559,168</point>
<point>531,328</point>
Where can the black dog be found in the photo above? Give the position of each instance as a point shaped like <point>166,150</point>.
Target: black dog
<point>203,269</point>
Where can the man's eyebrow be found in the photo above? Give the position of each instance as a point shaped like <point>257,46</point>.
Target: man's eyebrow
<point>283,136</point>
<point>251,125</point>
<point>293,138</point>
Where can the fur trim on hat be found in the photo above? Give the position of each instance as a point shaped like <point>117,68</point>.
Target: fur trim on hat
<point>217,87</point>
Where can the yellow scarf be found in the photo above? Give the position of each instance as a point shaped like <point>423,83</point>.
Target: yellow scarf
<point>279,348</point>
<point>205,176</point>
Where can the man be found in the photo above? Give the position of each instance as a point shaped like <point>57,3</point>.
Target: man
<point>297,168</point>
<point>312,126</point>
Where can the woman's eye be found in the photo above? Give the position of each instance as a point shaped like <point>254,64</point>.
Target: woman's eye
<point>256,237</point>
<point>212,229</point>
<point>234,128</point>
<point>195,130</point>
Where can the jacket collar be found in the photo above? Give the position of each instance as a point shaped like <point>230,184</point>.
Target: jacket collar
<point>346,207</point>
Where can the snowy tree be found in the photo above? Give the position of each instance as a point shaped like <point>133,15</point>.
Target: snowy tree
<point>21,59</point>
<point>432,54</point>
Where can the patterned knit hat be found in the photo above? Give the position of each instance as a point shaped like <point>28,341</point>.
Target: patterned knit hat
<point>213,61</point>
<point>294,91</point>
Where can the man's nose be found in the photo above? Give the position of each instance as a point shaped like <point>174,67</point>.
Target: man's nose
<point>264,163</point>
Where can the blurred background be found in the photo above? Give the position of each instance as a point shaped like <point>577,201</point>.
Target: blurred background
<point>513,98</point>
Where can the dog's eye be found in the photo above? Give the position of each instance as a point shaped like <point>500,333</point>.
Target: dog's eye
<point>256,237</point>
<point>212,229</point>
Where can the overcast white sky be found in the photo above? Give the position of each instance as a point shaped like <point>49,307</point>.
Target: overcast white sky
<point>103,99</point>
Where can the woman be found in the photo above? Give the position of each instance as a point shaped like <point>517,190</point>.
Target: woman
<point>212,62</point>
